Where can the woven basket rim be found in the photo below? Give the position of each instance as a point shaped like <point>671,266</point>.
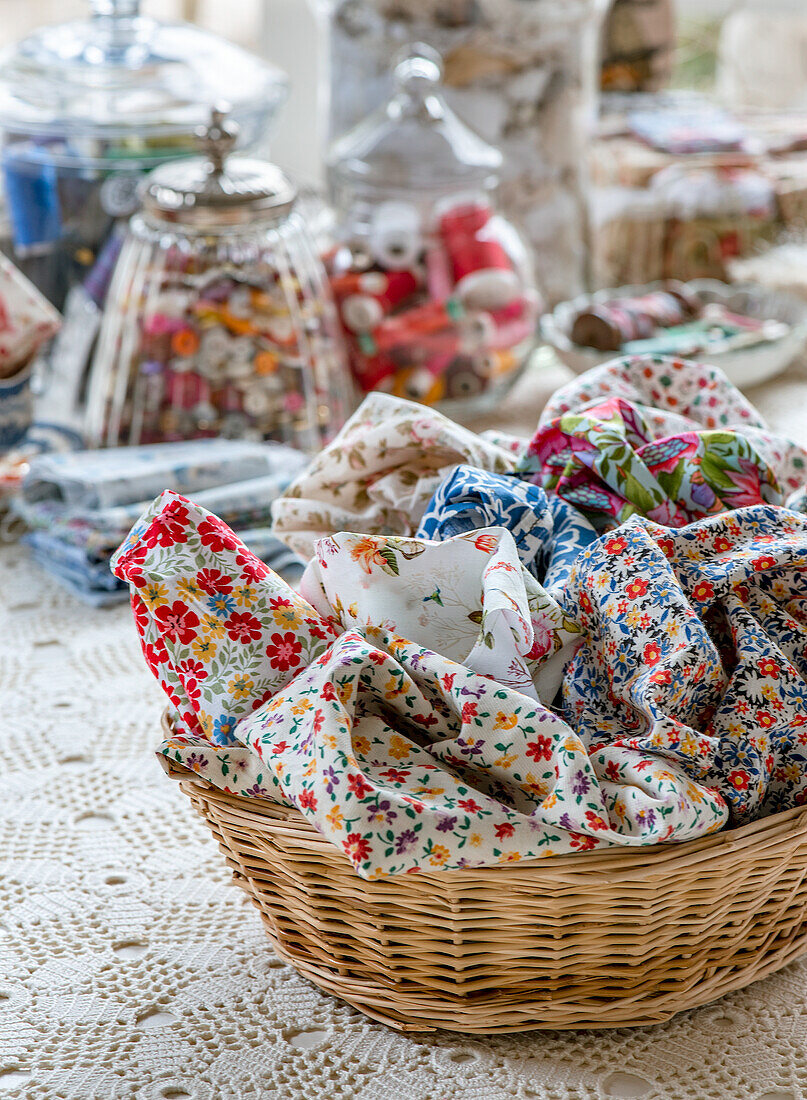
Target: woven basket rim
<point>642,860</point>
<point>614,937</point>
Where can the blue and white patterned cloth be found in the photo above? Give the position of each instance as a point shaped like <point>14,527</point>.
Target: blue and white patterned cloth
<point>130,475</point>
<point>79,506</point>
<point>548,532</point>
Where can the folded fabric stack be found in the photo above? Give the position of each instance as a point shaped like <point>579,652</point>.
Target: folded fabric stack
<point>596,638</point>
<point>80,505</point>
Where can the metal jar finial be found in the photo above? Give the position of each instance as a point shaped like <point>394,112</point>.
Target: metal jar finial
<point>218,138</point>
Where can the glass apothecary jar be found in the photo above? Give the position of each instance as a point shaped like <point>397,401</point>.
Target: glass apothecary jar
<point>433,286</point>
<point>86,108</point>
<point>219,320</point>
<point>523,73</point>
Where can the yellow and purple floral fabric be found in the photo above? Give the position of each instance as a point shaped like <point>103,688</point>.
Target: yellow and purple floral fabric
<point>407,757</point>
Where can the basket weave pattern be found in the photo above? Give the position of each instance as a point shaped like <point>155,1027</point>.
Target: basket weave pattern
<point>606,939</point>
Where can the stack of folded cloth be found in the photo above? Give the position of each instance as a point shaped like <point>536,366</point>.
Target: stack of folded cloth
<point>502,651</point>
<point>80,505</point>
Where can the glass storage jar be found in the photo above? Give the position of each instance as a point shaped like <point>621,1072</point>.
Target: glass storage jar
<point>523,73</point>
<point>219,319</point>
<point>433,286</point>
<point>86,108</point>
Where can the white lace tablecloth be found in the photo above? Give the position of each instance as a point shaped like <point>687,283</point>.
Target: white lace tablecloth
<point>130,967</point>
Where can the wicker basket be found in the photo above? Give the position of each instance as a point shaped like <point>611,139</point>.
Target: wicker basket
<point>616,938</point>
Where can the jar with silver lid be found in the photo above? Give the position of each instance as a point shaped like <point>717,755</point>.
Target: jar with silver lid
<point>220,319</point>
<point>433,285</point>
<point>86,108</point>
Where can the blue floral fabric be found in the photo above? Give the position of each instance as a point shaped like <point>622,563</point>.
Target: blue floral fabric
<point>695,651</point>
<point>548,532</point>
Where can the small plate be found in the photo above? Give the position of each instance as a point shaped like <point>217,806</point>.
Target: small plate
<point>745,367</point>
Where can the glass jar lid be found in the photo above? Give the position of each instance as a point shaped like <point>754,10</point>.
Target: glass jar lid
<point>415,139</point>
<point>127,80</point>
<point>217,189</point>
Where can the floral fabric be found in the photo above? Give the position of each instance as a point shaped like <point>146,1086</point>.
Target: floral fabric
<point>408,761</point>
<point>675,396</point>
<point>220,630</point>
<point>641,435</point>
<point>28,318</point>
<point>695,651</point>
<point>379,473</point>
<point>606,462</point>
<point>491,679</point>
<point>468,598</point>
<point>406,758</point>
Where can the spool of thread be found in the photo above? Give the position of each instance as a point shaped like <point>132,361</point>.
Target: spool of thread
<point>484,275</point>
<point>499,363</point>
<point>358,282</point>
<point>419,384</point>
<point>465,219</point>
<point>482,272</point>
<point>410,326</point>
<point>32,196</point>
<point>437,364</point>
<point>438,274</point>
<point>510,333</point>
<point>465,378</point>
<point>395,236</point>
<point>469,334</point>
<point>608,325</point>
<point>365,310</point>
<point>660,307</point>
<point>528,305</point>
<point>371,371</point>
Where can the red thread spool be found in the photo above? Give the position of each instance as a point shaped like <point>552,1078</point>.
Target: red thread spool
<point>365,309</point>
<point>469,334</point>
<point>358,282</point>
<point>483,273</point>
<point>412,325</point>
<point>438,274</point>
<point>371,371</point>
<point>465,220</point>
<point>526,307</point>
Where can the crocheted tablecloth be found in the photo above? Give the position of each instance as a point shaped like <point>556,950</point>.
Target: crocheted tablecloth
<point>130,967</point>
